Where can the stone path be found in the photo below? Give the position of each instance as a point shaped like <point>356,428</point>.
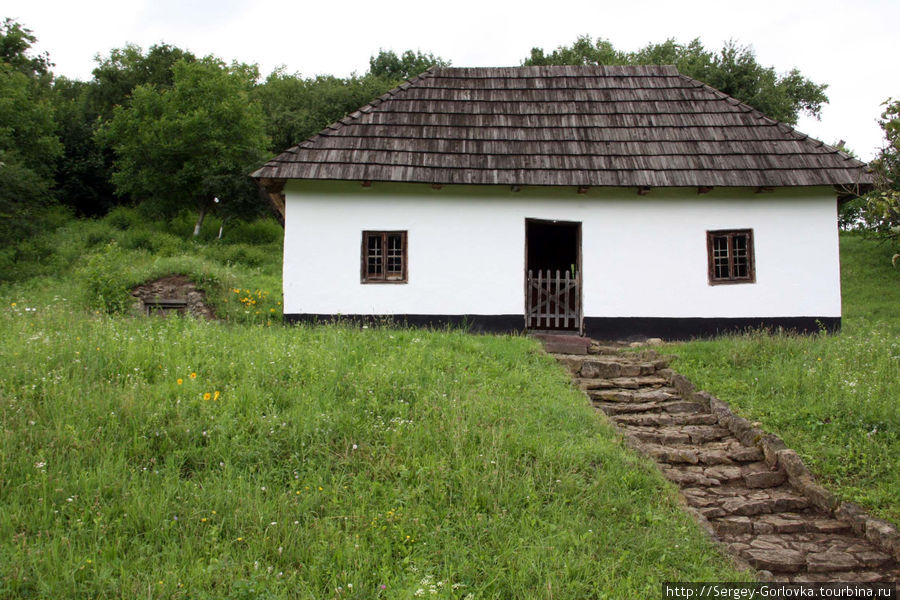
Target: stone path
<point>746,501</point>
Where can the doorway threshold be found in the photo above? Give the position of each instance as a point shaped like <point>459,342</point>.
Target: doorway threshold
<point>561,342</point>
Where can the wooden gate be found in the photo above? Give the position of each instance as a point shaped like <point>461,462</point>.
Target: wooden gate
<point>553,300</point>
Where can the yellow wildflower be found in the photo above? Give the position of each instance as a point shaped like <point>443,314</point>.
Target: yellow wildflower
<point>179,381</point>
<point>216,395</point>
<point>193,376</point>
<point>207,396</point>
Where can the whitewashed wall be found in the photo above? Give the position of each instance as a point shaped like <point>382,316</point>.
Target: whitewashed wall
<point>642,256</point>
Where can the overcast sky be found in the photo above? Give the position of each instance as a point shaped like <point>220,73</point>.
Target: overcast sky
<point>852,45</point>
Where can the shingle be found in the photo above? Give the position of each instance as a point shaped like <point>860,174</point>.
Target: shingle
<point>564,126</point>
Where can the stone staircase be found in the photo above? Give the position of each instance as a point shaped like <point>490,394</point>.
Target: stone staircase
<point>744,493</point>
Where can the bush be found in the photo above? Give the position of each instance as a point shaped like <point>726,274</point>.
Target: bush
<point>106,279</point>
<point>123,218</point>
<point>263,231</point>
<point>155,242</point>
<point>241,255</point>
<point>97,233</point>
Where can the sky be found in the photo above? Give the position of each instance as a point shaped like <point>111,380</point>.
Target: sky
<point>850,45</point>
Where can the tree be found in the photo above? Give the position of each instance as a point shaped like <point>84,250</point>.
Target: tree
<point>733,70</point>
<point>297,107</point>
<point>15,43</point>
<point>29,146</point>
<point>117,75</point>
<point>389,65</point>
<point>83,173</point>
<point>189,144</point>
<point>83,180</point>
<point>882,209</point>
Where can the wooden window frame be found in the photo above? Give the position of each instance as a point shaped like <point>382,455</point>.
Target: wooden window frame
<point>730,234</point>
<point>364,276</point>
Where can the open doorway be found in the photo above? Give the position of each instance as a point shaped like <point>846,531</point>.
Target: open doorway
<point>552,275</point>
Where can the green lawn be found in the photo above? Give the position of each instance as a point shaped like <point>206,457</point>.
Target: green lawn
<point>171,458</point>
<point>833,398</point>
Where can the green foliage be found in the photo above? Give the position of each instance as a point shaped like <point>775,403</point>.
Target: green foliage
<point>186,145</point>
<point>882,211</point>
<point>851,214</point>
<point>15,43</point>
<point>106,277</point>
<point>256,233</point>
<point>296,108</point>
<point>82,173</point>
<point>389,65</point>
<point>119,74</point>
<point>29,146</point>
<point>733,70</point>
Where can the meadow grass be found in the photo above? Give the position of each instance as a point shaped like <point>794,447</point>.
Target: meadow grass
<point>96,263</point>
<point>835,398</point>
<point>175,458</point>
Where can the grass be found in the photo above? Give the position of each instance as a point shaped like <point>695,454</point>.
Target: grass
<point>833,398</point>
<point>96,263</point>
<point>173,458</point>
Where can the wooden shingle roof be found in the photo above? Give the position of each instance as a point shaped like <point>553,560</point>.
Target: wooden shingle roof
<point>616,126</point>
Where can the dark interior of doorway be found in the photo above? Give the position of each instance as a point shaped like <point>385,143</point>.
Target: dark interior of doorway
<point>552,245</point>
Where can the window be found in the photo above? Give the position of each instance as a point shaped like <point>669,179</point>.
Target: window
<point>730,255</point>
<point>383,257</point>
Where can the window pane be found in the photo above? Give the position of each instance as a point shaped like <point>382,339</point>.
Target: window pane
<point>741,265</point>
<point>720,257</point>
<point>374,255</point>
<point>395,255</point>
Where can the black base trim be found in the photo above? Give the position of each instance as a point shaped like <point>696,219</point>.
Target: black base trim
<point>684,328</point>
<point>475,323</point>
<point>600,328</point>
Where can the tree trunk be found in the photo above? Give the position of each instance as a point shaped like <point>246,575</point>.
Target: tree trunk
<point>199,221</point>
<point>222,228</point>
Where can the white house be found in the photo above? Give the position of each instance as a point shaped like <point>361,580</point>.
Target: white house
<point>615,201</point>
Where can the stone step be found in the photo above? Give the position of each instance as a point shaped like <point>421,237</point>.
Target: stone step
<point>756,475</point>
<point>809,553</point>
<point>661,394</point>
<point>629,383</point>
<point>596,348</point>
<point>713,453</point>
<point>724,501</point>
<point>664,419</point>
<point>561,343</point>
<point>609,367</point>
<point>677,434</point>
<point>808,521</point>
<point>672,406</point>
